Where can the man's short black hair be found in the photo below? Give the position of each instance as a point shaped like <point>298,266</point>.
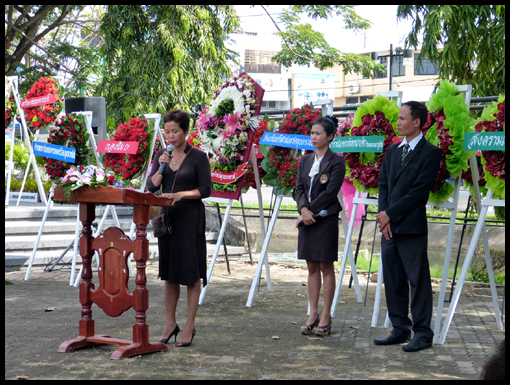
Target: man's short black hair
<point>418,111</point>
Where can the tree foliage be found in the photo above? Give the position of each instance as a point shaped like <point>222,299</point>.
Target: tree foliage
<point>52,36</point>
<point>23,24</point>
<point>174,55</point>
<point>153,58</point>
<point>304,46</point>
<point>473,37</point>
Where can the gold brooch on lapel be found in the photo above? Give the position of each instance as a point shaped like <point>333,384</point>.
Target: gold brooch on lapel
<point>324,178</point>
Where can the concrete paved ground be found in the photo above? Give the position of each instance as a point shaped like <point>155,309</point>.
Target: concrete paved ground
<point>233,341</point>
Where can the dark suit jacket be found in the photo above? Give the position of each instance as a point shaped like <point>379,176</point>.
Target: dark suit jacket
<point>326,183</point>
<point>404,190</point>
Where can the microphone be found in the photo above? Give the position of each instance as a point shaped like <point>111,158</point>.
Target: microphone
<point>322,213</point>
<point>169,149</point>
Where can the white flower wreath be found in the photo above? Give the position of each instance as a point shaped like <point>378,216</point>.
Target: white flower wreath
<point>229,93</point>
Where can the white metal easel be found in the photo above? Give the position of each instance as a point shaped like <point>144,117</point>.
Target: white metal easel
<point>479,230</point>
<point>224,226</point>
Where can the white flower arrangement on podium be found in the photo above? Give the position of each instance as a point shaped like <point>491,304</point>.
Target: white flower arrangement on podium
<point>226,127</point>
<point>79,176</point>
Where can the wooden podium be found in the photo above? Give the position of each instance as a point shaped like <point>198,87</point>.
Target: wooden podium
<point>113,248</point>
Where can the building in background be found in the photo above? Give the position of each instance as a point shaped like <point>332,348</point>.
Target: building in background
<point>414,80</point>
<point>287,88</point>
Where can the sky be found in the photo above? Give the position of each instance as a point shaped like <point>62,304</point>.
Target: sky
<point>384,31</point>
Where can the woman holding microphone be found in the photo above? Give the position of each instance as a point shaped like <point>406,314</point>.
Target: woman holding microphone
<point>320,177</point>
<point>182,255</point>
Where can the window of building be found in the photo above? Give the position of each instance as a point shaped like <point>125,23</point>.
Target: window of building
<point>425,68</point>
<point>398,66</point>
<point>384,61</point>
<point>257,61</point>
<point>268,105</point>
<point>363,99</point>
<point>351,100</point>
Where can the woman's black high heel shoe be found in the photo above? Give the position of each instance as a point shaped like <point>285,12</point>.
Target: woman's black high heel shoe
<point>175,332</point>
<point>181,344</point>
<point>325,329</point>
<point>309,328</point>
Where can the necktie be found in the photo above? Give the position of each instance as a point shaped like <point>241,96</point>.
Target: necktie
<point>404,153</point>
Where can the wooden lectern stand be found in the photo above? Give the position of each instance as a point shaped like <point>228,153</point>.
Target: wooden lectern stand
<point>113,248</point>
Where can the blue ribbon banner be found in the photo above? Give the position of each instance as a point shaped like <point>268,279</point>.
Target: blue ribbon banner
<point>301,142</point>
<point>67,154</point>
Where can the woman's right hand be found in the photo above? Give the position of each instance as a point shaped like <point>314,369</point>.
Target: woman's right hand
<point>306,216</point>
<point>164,158</point>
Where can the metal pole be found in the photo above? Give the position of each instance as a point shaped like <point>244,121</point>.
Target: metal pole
<point>246,229</point>
<point>391,64</point>
<point>460,248</point>
<point>223,240</point>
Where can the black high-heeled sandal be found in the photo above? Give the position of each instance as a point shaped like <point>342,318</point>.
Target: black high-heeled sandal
<point>325,329</point>
<point>175,332</point>
<point>309,328</point>
<point>181,344</point>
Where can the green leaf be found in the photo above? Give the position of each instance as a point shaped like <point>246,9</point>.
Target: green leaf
<point>270,179</point>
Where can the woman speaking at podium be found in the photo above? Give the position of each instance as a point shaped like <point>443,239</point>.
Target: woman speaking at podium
<point>320,177</point>
<point>186,179</point>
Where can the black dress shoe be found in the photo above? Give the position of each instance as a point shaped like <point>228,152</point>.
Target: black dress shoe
<point>416,344</point>
<point>392,340</point>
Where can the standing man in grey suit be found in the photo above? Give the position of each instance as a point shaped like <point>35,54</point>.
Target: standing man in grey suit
<point>407,175</point>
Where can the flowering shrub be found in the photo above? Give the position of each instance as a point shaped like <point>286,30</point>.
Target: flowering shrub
<point>77,177</point>
<point>130,166</point>
<point>223,128</point>
<point>493,119</point>
<point>281,164</point>
<point>374,117</point>
<point>70,132</point>
<point>451,117</point>
<point>42,116</point>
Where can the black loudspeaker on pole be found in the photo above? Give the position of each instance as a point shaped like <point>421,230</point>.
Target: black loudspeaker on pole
<point>98,107</point>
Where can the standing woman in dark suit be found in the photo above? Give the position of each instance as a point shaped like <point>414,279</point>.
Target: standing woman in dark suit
<point>320,176</point>
<point>182,255</point>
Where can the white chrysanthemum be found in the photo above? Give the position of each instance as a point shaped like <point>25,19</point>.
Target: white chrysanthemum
<point>229,93</point>
<point>253,122</point>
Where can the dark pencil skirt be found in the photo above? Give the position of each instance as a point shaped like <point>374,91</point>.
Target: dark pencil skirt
<point>319,242</point>
<point>182,255</point>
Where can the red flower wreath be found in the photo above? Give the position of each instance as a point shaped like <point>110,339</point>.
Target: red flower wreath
<point>493,120</point>
<point>71,131</point>
<point>448,106</point>
<point>129,166</point>
<point>42,116</point>
<point>378,117</point>
<point>279,164</point>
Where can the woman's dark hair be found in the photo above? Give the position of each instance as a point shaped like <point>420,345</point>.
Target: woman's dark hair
<point>494,368</point>
<point>418,111</point>
<point>178,116</point>
<point>329,123</point>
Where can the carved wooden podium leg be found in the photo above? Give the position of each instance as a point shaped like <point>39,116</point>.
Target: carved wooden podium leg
<point>86,323</point>
<point>141,344</point>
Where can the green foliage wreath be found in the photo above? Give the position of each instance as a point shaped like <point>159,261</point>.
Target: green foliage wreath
<point>452,121</point>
